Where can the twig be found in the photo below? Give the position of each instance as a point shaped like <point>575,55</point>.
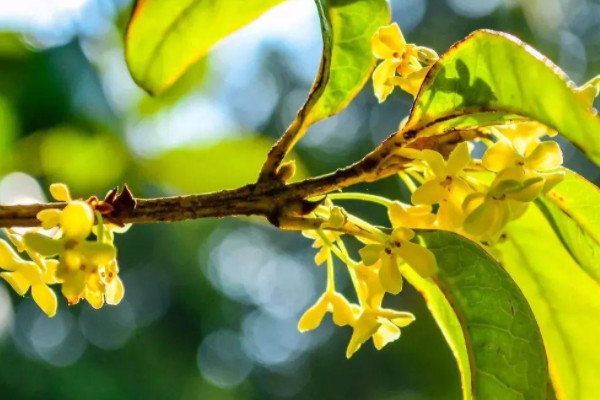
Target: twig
<point>271,201</point>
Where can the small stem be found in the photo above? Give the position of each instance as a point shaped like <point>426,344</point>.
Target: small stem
<point>330,274</point>
<point>361,196</point>
<point>407,181</point>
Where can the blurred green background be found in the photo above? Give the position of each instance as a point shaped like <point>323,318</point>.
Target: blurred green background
<point>211,306</point>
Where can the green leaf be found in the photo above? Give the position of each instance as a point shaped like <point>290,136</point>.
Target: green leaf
<point>190,80</point>
<point>164,38</point>
<point>564,299</point>
<point>573,210</point>
<point>210,167</point>
<point>491,72</point>
<point>347,61</point>
<point>485,319</point>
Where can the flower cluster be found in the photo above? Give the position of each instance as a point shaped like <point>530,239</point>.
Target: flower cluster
<point>450,190</point>
<point>373,276</point>
<point>63,253</point>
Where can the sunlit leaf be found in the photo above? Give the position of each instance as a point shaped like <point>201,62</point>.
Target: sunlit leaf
<point>164,38</point>
<point>190,80</point>
<point>497,73</point>
<point>564,299</point>
<point>486,321</point>
<point>573,209</point>
<point>215,166</point>
<point>347,61</point>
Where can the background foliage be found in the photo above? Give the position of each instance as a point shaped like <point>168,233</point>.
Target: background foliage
<point>211,306</point>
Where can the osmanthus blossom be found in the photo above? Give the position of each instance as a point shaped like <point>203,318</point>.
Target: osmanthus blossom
<point>23,275</point>
<point>488,211</point>
<point>522,133</point>
<point>371,320</point>
<point>332,302</point>
<point>398,248</point>
<point>404,65</point>
<point>536,159</point>
<point>445,184</point>
<point>85,268</point>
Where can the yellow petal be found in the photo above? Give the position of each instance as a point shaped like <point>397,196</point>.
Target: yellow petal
<point>482,218</point>
<point>9,259</point>
<point>370,290</point>
<point>412,82</point>
<point>50,274</point>
<point>341,310</point>
<point>385,70</point>
<point>459,159</point>
<point>499,156</point>
<point>551,180</point>
<point>76,219</point>
<point>60,192</point>
<point>418,216</point>
<point>73,286</point>
<point>450,214</point>
<point>387,333</point>
<point>322,255</point>
<point>17,281</point>
<point>390,276</point>
<point>115,291</point>
<point>403,320</point>
<point>400,234</point>
<point>387,41</point>
<point>364,328</point>
<point>42,244</point>
<point>371,253</point>
<point>473,201</point>
<point>45,299</point>
<point>529,190</point>
<point>418,258</point>
<point>97,253</point>
<point>546,156</point>
<point>312,318</point>
<point>431,192</point>
<point>436,163</point>
<point>95,298</point>
<point>49,218</point>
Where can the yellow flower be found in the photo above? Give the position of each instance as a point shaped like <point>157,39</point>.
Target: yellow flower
<point>410,216</point>
<point>404,65</point>
<point>398,247</point>
<point>80,259</point>
<point>446,187</point>
<point>23,275</point>
<point>332,302</point>
<point>114,288</point>
<point>521,134</point>
<point>381,324</point>
<point>371,320</point>
<point>489,211</point>
<point>537,159</point>
<point>318,243</point>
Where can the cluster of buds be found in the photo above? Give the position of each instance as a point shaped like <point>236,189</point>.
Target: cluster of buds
<point>74,248</point>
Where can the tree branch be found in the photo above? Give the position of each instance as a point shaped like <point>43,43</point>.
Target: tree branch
<point>271,201</point>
